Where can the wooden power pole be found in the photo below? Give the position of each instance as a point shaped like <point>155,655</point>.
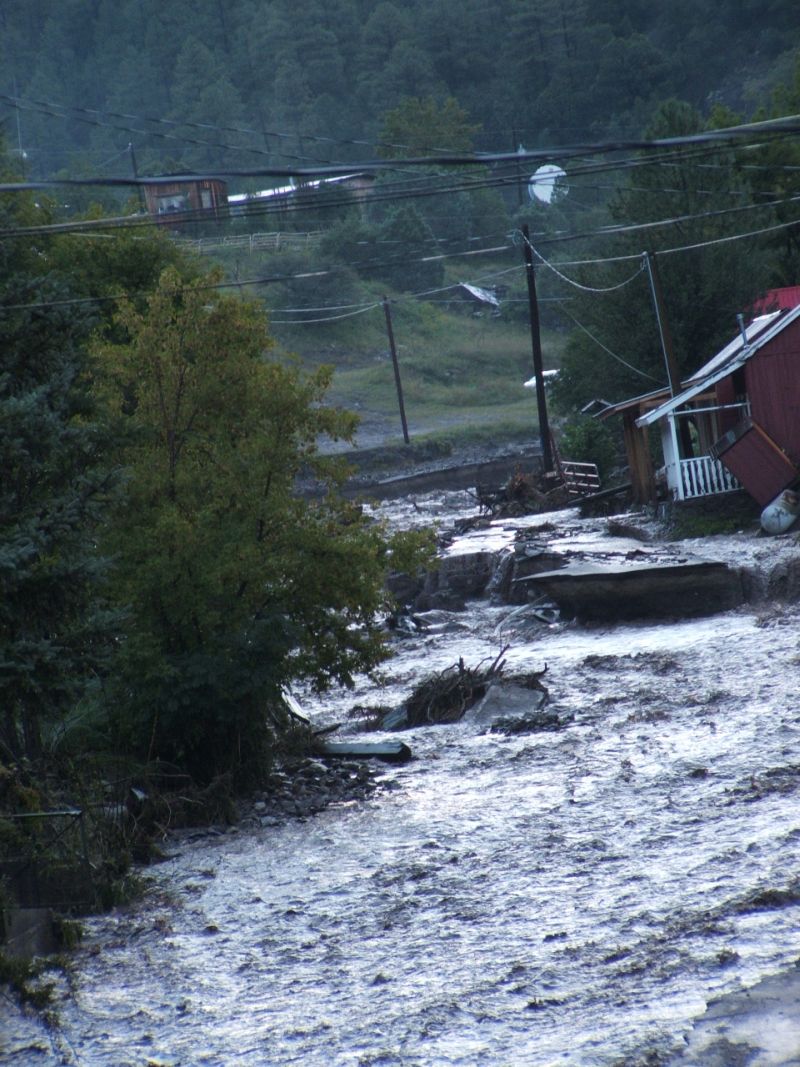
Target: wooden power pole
<point>536,344</point>
<point>398,384</point>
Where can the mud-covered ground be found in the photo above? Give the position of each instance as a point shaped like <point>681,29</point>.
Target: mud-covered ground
<point>572,896</point>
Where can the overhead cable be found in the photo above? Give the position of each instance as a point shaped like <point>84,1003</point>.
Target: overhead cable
<point>768,128</point>
<point>579,285</point>
<point>613,355</point>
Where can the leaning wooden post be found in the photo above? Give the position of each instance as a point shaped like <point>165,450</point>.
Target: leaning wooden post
<point>398,384</point>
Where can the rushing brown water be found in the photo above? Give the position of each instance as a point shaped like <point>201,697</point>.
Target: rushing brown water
<point>560,898</point>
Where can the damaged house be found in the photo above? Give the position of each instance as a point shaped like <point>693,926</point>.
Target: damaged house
<point>736,421</point>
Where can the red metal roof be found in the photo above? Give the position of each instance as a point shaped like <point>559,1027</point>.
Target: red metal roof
<point>778,300</point>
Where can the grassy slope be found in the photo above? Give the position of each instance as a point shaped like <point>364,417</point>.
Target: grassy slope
<point>461,375</point>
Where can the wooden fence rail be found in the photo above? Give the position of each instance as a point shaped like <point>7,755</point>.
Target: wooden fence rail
<point>580,478</point>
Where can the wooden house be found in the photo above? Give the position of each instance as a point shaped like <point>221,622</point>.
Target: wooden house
<point>637,439</point>
<point>736,421</point>
<point>173,203</point>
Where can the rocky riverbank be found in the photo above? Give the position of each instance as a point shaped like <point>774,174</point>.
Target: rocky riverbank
<point>306,787</point>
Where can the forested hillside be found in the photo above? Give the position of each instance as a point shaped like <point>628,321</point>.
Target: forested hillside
<point>240,82</point>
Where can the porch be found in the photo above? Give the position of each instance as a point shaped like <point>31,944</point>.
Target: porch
<point>701,476</point>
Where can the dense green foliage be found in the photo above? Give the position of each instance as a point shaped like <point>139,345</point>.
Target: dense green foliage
<point>160,578</point>
<point>54,478</point>
<point>154,559</point>
<point>234,584</point>
<point>705,281</point>
<point>558,71</point>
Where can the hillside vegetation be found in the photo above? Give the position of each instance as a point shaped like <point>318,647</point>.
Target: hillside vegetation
<point>251,82</point>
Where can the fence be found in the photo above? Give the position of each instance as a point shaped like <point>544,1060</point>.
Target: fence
<point>253,242</point>
<point>46,862</point>
<point>704,476</point>
<point>581,479</point>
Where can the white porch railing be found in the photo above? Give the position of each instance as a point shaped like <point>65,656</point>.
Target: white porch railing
<point>704,476</point>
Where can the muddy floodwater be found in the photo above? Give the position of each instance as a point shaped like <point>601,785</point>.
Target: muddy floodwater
<point>569,897</point>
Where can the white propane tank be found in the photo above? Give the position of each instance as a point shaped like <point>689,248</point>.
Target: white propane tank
<point>782,513</point>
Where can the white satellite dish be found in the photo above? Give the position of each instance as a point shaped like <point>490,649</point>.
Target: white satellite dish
<point>548,183</point>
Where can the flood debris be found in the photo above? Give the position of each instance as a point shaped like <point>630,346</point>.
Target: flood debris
<point>387,751</point>
<point>537,722</point>
<point>522,494</point>
<point>446,696</point>
<point>482,691</point>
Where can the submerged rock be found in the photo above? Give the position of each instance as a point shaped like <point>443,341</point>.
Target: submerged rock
<point>505,699</point>
<point>539,722</point>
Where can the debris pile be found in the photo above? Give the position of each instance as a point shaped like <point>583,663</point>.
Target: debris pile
<point>445,697</point>
<point>523,494</point>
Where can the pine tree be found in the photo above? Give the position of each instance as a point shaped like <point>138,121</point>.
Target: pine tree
<point>54,632</point>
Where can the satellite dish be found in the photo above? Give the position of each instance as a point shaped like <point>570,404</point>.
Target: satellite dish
<point>548,183</point>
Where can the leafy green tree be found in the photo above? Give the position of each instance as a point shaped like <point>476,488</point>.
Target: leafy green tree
<point>617,353</point>
<point>420,126</point>
<point>201,94</point>
<point>406,242</point>
<point>54,483</point>
<point>234,584</point>
<point>393,61</point>
<point>118,262</point>
<point>773,172</point>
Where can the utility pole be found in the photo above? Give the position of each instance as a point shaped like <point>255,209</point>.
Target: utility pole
<point>673,374</point>
<point>667,347</point>
<point>398,384</point>
<point>135,170</point>
<point>536,344</point>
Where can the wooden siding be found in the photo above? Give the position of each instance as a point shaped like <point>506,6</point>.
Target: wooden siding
<point>191,194</point>
<point>637,448</point>
<point>759,464</point>
<point>773,384</point>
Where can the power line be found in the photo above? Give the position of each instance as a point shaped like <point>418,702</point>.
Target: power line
<point>329,318</point>
<point>605,348</point>
<point>393,192</point>
<point>18,102</point>
<point>769,128</point>
<point>578,285</point>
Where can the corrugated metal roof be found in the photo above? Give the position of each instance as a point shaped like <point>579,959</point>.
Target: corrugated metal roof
<point>753,330</point>
<point>783,299</point>
<point>633,402</point>
<point>734,355</point>
<point>287,190</point>
<point>483,295</point>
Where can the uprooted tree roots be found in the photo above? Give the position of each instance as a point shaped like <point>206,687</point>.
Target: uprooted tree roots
<point>523,494</point>
<point>445,697</point>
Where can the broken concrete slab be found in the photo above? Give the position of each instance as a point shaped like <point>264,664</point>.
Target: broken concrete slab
<point>624,590</point>
<point>759,1025</point>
